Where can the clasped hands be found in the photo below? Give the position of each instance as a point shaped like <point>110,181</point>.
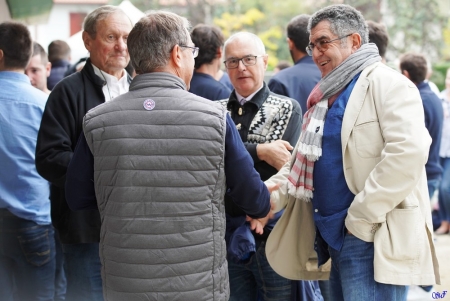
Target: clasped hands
<point>258,224</point>
<point>276,154</point>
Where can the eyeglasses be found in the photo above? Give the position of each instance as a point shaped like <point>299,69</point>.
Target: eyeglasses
<point>194,50</point>
<point>322,45</point>
<point>248,60</point>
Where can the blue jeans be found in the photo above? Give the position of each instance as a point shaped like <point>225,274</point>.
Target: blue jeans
<point>325,290</point>
<point>60,275</point>
<point>256,279</point>
<point>433,185</point>
<point>83,268</point>
<point>27,259</point>
<point>352,274</point>
<point>444,191</point>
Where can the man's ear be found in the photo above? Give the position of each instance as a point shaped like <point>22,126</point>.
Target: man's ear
<point>176,56</point>
<point>2,59</point>
<point>406,73</point>
<point>48,69</point>
<point>265,60</point>
<point>356,41</point>
<point>219,52</point>
<point>291,44</point>
<point>87,40</point>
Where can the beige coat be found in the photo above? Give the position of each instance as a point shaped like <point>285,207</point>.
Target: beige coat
<point>385,147</point>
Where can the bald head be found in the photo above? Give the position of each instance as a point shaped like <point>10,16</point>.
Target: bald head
<point>248,38</point>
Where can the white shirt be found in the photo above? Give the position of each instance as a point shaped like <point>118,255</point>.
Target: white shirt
<point>243,99</point>
<point>113,87</point>
<point>445,138</point>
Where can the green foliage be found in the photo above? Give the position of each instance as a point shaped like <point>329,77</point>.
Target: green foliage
<point>439,74</point>
<point>252,21</point>
<point>416,27</point>
<point>267,19</point>
<point>446,38</point>
<point>413,25</point>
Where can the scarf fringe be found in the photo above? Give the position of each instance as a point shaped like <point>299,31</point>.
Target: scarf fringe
<point>311,152</point>
<point>300,193</point>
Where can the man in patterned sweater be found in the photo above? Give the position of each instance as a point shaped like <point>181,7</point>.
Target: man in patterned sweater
<point>269,124</point>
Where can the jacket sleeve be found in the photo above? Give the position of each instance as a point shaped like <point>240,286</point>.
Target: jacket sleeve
<point>294,127</point>
<point>280,196</point>
<point>398,165</point>
<point>223,93</point>
<point>244,184</point>
<point>55,146</point>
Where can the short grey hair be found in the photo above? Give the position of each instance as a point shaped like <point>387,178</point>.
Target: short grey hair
<point>101,13</point>
<point>344,19</point>
<point>246,36</point>
<point>152,39</point>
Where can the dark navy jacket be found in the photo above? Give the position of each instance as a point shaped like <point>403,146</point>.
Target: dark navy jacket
<point>59,68</point>
<point>434,118</point>
<point>297,81</point>
<point>206,86</point>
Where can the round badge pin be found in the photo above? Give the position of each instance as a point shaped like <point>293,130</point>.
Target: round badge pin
<point>149,104</point>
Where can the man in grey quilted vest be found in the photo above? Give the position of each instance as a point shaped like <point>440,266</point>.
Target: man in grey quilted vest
<point>160,160</point>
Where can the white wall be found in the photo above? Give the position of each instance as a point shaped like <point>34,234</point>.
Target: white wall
<point>4,11</point>
<point>58,26</point>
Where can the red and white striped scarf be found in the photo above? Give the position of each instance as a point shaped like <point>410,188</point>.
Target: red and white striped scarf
<point>300,180</point>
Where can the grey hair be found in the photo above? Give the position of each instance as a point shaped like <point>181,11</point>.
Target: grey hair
<point>344,19</point>
<point>246,36</point>
<point>152,39</point>
<point>101,13</point>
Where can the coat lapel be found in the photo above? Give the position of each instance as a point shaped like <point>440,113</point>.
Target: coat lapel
<point>354,105</point>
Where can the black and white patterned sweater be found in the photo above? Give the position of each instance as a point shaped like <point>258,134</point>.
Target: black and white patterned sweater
<point>263,119</point>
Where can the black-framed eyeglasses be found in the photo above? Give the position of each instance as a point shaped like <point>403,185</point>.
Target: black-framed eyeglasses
<point>248,60</point>
<point>322,45</point>
<point>194,50</point>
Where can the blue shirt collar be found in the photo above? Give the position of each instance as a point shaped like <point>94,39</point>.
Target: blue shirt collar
<point>15,76</point>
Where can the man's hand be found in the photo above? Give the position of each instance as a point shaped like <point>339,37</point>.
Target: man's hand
<point>276,154</point>
<point>258,224</point>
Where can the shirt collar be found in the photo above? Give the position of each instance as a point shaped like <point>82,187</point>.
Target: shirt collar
<point>111,80</point>
<point>248,98</point>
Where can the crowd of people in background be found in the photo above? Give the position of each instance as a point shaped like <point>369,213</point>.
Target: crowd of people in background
<point>164,167</point>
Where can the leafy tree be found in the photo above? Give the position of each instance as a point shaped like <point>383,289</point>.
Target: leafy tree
<point>371,9</point>
<point>252,21</point>
<point>267,19</point>
<point>446,37</point>
<point>414,26</point>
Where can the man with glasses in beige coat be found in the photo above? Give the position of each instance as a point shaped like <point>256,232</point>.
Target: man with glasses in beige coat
<point>356,184</point>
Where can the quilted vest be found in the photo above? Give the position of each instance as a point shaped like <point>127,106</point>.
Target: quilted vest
<point>159,182</point>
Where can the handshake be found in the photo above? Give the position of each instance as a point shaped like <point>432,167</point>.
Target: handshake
<point>258,224</point>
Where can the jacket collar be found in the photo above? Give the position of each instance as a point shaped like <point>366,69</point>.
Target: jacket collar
<point>257,100</point>
<point>157,79</point>
<point>88,70</point>
<point>355,103</point>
